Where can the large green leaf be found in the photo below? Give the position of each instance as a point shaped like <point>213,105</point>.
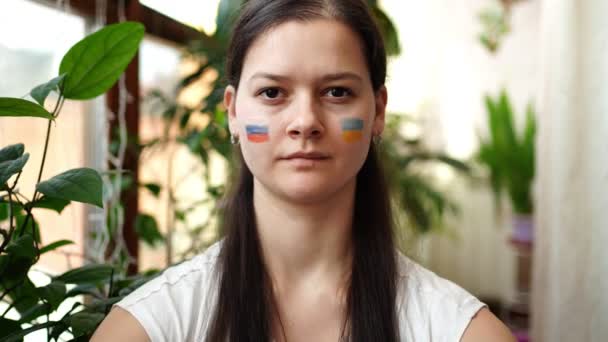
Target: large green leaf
<point>18,107</point>
<point>83,323</point>
<point>153,188</point>
<point>55,245</point>
<point>22,247</point>
<point>88,274</point>
<point>24,296</point>
<point>101,305</point>
<point>34,312</point>
<point>41,92</point>
<point>95,63</point>
<point>80,185</point>
<point>53,293</point>
<point>8,326</point>
<point>55,204</point>
<point>147,229</point>
<point>32,226</point>
<point>11,152</point>
<point>4,214</point>
<point>11,167</point>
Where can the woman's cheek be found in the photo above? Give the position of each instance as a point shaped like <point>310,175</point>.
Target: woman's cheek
<point>257,133</point>
<point>254,143</point>
<point>352,130</point>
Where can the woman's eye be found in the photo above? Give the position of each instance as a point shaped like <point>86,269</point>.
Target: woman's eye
<point>339,92</point>
<point>271,93</point>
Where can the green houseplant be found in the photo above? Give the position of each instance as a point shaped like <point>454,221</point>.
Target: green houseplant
<point>87,70</point>
<point>509,156</point>
<point>414,193</point>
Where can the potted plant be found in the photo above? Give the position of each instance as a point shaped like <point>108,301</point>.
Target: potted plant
<point>509,158</point>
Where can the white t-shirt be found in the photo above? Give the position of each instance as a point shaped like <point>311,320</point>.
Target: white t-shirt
<point>178,304</point>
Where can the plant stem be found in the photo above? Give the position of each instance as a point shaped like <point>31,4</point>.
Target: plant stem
<point>11,227</point>
<point>55,113</point>
<point>46,146</point>
<point>58,107</point>
<point>22,196</point>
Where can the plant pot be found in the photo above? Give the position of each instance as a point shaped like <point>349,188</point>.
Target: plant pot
<point>522,230</point>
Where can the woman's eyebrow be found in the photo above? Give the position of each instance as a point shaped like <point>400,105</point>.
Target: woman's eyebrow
<point>269,76</point>
<point>342,76</point>
<point>325,78</point>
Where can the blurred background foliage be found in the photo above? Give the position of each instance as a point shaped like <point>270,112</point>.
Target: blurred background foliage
<point>420,203</point>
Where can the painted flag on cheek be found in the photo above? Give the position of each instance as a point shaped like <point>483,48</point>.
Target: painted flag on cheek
<point>352,130</point>
<point>257,133</point>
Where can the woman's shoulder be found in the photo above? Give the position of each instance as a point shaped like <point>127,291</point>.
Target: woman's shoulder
<point>431,308</point>
<point>176,304</point>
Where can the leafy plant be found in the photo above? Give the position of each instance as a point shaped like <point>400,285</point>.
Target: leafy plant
<point>508,156</point>
<point>87,70</point>
<point>495,21</point>
<point>406,160</point>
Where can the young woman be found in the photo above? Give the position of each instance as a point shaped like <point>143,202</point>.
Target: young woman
<point>308,253</point>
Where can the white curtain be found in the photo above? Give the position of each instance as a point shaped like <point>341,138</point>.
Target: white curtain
<point>570,281</point>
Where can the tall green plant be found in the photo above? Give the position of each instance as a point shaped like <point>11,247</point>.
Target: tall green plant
<point>509,157</point>
<point>87,70</point>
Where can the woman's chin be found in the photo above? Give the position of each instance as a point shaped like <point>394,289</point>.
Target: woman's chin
<point>309,192</point>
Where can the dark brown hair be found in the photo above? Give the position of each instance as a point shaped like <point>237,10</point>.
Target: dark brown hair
<point>245,303</point>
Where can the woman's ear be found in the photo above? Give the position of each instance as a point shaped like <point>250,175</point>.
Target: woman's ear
<point>379,119</point>
<point>230,104</point>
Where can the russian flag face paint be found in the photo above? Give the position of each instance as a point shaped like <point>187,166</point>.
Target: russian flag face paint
<point>352,130</point>
<point>257,133</point>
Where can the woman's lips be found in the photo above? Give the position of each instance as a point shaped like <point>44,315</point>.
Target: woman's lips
<point>306,162</point>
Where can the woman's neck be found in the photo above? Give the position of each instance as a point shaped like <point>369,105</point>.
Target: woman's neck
<point>305,243</point>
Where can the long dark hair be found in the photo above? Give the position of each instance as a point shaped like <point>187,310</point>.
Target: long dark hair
<point>245,302</point>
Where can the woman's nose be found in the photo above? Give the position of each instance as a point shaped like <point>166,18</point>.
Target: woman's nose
<point>305,122</point>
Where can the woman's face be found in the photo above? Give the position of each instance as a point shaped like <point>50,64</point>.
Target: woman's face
<point>305,88</point>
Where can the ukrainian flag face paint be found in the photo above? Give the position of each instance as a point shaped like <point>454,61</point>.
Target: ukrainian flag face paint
<point>257,133</point>
<point>352,130</point>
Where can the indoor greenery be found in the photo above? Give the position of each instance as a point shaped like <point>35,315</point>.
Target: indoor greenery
<point>87,70</point>
<point>496,23</point>
<point>509,156</point>
<point>407,162</point>
<point>422,203</point>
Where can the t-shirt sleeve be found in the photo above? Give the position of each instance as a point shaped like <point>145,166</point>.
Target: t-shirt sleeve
<point>432,308</point>
<point>452,311</point>
<point>155,308</point>
<point>173,306</point>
